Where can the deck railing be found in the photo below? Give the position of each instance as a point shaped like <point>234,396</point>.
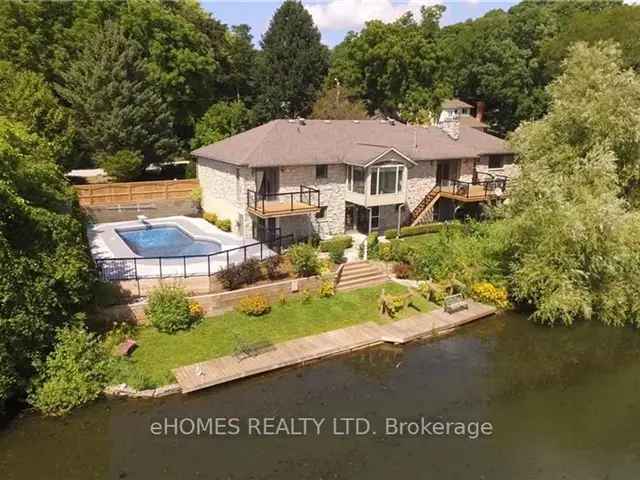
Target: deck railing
<point>304,199</point>
<point>482,189</point>
<point>136,268</point>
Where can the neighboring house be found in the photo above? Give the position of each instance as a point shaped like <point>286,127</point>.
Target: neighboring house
<point>455,108</point>
<point>335,176</point>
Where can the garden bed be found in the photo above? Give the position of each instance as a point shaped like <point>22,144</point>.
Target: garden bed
<point>158,353</point>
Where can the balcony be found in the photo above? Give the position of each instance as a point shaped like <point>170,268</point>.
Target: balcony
<point>272,205</point>
<point>477,191</point>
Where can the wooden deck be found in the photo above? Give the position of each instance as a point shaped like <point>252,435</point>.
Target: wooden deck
<point>275,208</point>
<point>301,350</point>
<point>477,193</point>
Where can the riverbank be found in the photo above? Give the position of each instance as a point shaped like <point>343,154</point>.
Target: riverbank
<point>150,365</point>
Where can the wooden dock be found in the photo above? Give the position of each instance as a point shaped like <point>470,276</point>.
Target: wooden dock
<point>305,349</point>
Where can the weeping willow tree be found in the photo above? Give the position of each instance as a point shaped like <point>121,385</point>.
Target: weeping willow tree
<point>575,233</point>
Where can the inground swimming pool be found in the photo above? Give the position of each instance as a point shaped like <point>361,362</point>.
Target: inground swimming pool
<point>165,241</point>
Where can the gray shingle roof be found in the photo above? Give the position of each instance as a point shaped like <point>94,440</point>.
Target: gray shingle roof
<point>455,103</point>
<point>283,143</point>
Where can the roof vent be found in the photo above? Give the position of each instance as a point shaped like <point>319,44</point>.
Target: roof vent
<point>327,121</point>
<point>301,121</point>
<point>291,120</point>
<point>382,120</point>
<point>391,121</point>
<point>356,121</point>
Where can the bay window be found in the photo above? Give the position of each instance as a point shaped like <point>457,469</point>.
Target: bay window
<point>386,179</point>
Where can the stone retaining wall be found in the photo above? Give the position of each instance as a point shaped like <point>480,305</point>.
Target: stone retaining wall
<point>214,303</point>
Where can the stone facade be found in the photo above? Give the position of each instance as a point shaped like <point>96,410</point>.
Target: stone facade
<point>224,192</point>
<point>225,188</point>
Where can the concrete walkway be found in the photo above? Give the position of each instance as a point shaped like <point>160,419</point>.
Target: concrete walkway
<point>295,352</point>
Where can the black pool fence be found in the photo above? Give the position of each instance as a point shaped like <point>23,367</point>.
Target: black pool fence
<point>137,268</point>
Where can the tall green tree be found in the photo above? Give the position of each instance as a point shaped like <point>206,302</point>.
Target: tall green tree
<point>396,67</point>
<point>29,99</point>
<point>222,120</point>
<point>620,24</point>
<point>45,273</point>
<point>292,64</point>
<point>338,104</point>
<point>114,105</point>
<point>584,261</point>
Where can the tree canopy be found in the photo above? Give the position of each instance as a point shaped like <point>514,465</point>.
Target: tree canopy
<point>115,107</point>
<point>222,120</point>
<point>292,63</point>
<point>570,198</point>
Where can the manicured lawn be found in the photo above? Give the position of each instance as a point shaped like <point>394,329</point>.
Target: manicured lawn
<point>418,241</point>
<point>158,353</point>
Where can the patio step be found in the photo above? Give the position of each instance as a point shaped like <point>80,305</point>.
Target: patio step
<point>359,275</point>
<point>362,282</point>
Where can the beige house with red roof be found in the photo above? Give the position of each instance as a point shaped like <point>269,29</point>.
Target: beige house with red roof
<point>334,176</point>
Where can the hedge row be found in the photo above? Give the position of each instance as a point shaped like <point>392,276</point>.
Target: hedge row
<point>338,242</point>
<point>417,230</point>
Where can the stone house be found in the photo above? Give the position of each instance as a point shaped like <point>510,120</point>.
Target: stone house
<point>335,176</point>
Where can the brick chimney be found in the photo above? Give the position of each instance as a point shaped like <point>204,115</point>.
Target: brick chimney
<point>451,126</point>
<point>480,109</point>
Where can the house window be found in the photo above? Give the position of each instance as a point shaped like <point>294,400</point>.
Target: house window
<point>496,161</point>
<point>322,213</point>
<point>322,171</point>
<point>375,217</point>
<point>386,179</point>
<point>355,179</point>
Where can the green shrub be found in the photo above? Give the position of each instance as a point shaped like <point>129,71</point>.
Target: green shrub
<point>224,225</point>
<point>196,196</point>
<point>255,305</point>
<point>304,259</point>
<point>123,165</point>
<point>385,252</point>
<point>401,252</point>
<point>74,373</point>
<point>336,253</point>
<point>390,234</point>
<point>327,289</point>
<point>306,295</point>
<point>210,217</point>
<point>339,241</point>
<point>169,309</point>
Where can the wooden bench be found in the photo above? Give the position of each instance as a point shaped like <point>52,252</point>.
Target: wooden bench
<point>454,303</point>
<point>247,350</point>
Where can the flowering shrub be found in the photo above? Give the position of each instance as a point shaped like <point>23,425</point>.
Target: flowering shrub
<point>255,305</point>
<point>306,295</point>
<point>327,289</point>
<point>224,225</point>
<point>486,292</point>
<point>169,309</point>
<point>210,217</point>
<point>385,252</point>
<point>196,310</point>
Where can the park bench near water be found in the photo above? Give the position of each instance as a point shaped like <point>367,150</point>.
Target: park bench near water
<point>455,303</point>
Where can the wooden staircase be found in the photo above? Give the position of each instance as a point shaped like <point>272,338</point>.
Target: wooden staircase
<point>426,204</point>
<point>358,275</point>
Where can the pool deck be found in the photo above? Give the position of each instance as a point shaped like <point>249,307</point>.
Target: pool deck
<point>106,243</point>
<point>315,347</point>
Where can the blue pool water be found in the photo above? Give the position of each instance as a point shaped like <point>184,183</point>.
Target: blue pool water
<point>166,242</point>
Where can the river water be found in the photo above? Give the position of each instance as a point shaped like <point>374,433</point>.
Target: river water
<point>562,402</point>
